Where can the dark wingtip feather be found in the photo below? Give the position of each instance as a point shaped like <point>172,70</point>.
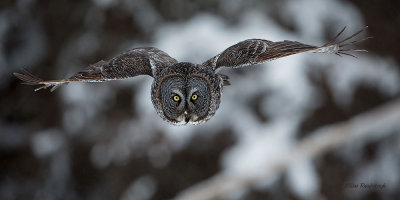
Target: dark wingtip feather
<point>30,79</point>
<point>337,36</point>
<point>352,36</point>
<point>27,78</point>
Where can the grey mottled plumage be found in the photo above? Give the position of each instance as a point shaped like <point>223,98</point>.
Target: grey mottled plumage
<point>185,92</point>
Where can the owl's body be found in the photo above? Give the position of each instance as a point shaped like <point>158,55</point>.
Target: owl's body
<point>184,92</point>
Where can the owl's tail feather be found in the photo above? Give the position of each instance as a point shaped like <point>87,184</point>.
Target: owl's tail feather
<point>338,47</point>
<point>30,79</point>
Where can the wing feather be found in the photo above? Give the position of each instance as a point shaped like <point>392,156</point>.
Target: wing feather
<point>139,61</point>
<point>255,51</point>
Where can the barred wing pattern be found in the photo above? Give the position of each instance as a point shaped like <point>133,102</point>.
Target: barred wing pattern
<point>139,61</point>
<point>255,51</point>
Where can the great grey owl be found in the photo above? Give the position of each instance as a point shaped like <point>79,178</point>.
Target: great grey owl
<point>184,92</point>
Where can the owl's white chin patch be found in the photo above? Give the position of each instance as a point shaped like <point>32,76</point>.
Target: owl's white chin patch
<point>194,118</point>
<point>180,121</point>
<point>186,119</point>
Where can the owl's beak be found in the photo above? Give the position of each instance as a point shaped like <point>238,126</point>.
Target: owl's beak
<point>187,116</point>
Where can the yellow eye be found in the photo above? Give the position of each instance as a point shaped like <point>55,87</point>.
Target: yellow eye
<point>176,98</point>
<point>194,97</point>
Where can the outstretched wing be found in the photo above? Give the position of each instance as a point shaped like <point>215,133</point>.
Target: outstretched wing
<point>140,61</point>
<point>255,51</point>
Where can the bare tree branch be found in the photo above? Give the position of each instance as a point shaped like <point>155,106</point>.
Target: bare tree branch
<point>377,121</point>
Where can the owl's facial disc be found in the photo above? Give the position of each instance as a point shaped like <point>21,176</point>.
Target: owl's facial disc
<point>185,100</point>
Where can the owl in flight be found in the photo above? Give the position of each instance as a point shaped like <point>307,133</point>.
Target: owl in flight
<point>184,92</point>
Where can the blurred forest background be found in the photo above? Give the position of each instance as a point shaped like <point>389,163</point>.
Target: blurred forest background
<point>105,141</point>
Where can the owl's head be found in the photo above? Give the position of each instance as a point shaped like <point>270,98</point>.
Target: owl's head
<point>185,93</point>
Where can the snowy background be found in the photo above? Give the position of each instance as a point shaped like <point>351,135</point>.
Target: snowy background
<point>105,141</point>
